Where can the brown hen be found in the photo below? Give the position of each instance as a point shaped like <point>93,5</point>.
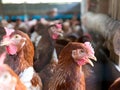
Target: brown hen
<point>68,73</point>
<point>21,51</point>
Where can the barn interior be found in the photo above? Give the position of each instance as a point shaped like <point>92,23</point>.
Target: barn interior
<point>94,21</point>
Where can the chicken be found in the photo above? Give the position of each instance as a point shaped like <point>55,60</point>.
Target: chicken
<point>115,85</point>
<point>55,31</point>
<point>8,78</point>
<point>68,73</point>
<point>45,47</point>
<point>48,70</point>
<point>21,51</point>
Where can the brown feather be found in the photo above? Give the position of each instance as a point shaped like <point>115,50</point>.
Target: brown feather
<point>24,58</point>
<point>44,50</point>
<point>68,75</point>
<point>28,48</point>
<point>36,81</point>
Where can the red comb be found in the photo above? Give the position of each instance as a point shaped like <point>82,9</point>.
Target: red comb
<point>59,26</point>
<point>88,44</point>
<point>2,58</point>
<point>9,31</point>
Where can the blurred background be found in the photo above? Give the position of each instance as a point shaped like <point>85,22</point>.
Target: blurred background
<point>36,9</point>
<point>96,21</point>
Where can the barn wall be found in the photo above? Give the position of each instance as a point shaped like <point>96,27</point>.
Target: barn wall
<point>103,6</point>
<point>111,10</point>
<point>39,9</point>
<point>109,7</point>
<point>114,9</point>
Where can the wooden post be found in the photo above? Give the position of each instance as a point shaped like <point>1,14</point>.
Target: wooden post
<point>102,6</point>
<point>118,10</point>
<point>85,6</point>
<point>114,9</point>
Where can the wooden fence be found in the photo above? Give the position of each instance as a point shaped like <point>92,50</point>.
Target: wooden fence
<point>114,9</point>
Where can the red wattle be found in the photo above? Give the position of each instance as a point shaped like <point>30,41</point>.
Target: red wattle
<point>81,62</point>
<point>54,36</point>
<point>11,49</point>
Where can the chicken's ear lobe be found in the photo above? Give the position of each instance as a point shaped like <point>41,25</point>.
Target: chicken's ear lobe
<point>2,58</point>
<point>9,31</point>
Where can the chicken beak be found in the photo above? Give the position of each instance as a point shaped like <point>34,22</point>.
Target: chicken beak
<point>93,58</point>
<point>91,63</point>
<point>4,43</point>
<point>61,34</point>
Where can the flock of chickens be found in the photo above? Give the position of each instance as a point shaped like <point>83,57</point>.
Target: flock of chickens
<point>41,65</point>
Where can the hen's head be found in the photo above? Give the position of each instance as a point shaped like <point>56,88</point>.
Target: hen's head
<point>14,40</point>
<point>80,53</point>
<point>55,31</point>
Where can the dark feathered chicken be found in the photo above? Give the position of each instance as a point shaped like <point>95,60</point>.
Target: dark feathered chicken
<point>21,51</point>
<point>48,69</point>
<point>68,73</point>
<point>45,47</point>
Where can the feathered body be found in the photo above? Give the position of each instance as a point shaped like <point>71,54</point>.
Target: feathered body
<point>68,73</point>
<point>8,78</point>
<point>47,57</point>
<point>47,73</point>
<point>24,57</point>
<point>44,49</point>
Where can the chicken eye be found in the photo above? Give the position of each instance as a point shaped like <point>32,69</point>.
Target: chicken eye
<point>81,51</point>
<point>53,29</point>
<point>16,36</point>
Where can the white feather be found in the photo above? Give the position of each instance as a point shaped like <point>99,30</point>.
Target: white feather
<point>38,38</point>
<point>33,36</point>
<point>54,56</point>
<point>117,67</point>
<point>26,76</point>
